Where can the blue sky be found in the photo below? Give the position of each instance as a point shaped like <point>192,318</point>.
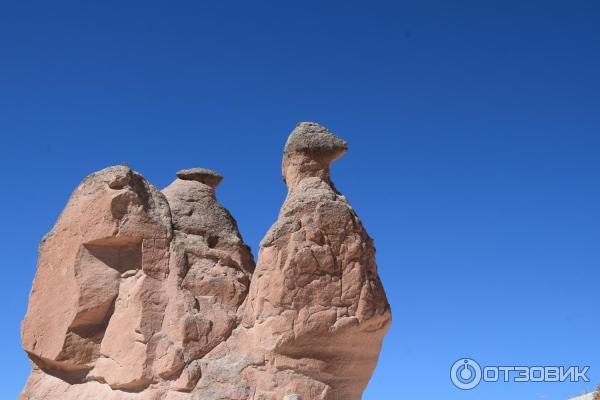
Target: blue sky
<point>474,133</point>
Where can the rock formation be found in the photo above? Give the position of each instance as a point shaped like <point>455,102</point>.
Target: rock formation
<point>144,294</point>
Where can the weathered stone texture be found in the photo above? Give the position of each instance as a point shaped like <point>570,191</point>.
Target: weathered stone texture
<point>147,294</point>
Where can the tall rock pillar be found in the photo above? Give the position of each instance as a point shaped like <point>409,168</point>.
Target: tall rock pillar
<point>316,305</point>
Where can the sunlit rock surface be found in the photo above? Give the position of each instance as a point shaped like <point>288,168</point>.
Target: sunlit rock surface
<point>148,294</point>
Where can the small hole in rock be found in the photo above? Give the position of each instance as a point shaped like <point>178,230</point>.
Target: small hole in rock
<point>212,241</point>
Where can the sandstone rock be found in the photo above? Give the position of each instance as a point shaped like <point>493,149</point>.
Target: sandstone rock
<point>316,306</point>
<point>211,275</point>
<point>149,295</point>
<point>114,222</point>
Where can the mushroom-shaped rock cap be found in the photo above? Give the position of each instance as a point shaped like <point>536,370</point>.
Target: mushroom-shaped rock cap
<point>315,140</point>
<point>203,175</point>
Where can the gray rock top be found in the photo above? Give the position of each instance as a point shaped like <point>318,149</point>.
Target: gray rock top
<point>206,176</point>
<point>312,138</point>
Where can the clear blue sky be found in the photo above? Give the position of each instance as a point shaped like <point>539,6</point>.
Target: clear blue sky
<point>474,132</point>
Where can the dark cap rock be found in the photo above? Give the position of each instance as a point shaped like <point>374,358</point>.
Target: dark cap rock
<point>314,139</point>
<point>203,175</point>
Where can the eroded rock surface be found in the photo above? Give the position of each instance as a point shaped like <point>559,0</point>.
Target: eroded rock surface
<point>147,294</point>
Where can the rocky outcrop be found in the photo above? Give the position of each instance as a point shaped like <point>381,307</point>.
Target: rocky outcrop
<point>148,294</point>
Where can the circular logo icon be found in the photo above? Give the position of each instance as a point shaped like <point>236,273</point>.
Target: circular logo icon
<point>465,374</point>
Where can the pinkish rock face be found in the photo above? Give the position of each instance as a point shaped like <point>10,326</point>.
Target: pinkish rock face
<point>114,230</point>
<point>316,305</point>
<point>142,294</point>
